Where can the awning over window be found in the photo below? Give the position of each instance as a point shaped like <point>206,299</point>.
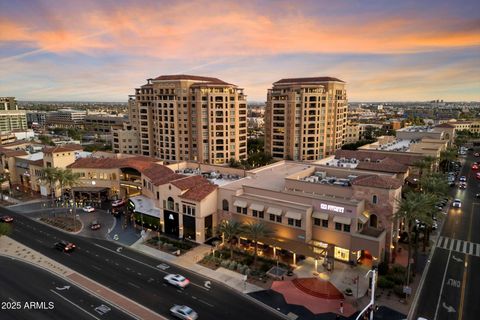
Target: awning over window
<point>257,207</point>
<point>240,203</point>
<point>274,211</point>
<point>362,218</point>
<point>293,215</point>
<point>342,220</point>
<point>320,215</point>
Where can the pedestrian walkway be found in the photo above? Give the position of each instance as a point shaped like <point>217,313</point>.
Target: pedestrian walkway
<point>458,245</point>
<point>189,261</point>
<point>13,249</point>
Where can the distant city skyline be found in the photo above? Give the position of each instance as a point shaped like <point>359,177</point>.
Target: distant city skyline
<point>100,51</point>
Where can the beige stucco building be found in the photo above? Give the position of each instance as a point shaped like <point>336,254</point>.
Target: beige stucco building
<point>352,133</point>
<point>305,118</point>
<point>183,117</point>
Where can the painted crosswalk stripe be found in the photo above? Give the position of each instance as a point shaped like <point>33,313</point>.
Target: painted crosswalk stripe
<point>470,251</point>
<point>440,242</point>
<point>465,247</point>
<point>478,250</point>
<point>458,245</point>
<point>446,244</point>
<point>451,244</point>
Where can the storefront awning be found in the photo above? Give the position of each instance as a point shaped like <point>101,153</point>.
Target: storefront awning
<point>293,215</point>
<point>320,215</point>
<point>274,211</point>
<point>240,203</point>
<point>363,218</point>
<point>257,207</point>
<point>342,220</point>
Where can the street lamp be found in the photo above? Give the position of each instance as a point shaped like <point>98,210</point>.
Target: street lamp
<point>372,299</point>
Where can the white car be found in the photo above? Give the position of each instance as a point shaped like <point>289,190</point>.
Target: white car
<point>457,203</point>
<point>176,280</point>
<point>463,179</point>
<point>118,203</point>
<point>183,312</point>
<point>88,209</point>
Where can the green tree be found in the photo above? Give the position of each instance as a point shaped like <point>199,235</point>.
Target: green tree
<point>416,206</point>
<point>255,145</point>
<point>230,230</point>
<point>50,176</point>
<point>446,157</point>
<point>256,231</point>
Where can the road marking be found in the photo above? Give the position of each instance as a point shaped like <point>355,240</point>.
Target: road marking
<point>451,244</point>
<point>449,308</point>
<point>443,285</point>
<point>95,267</point>
<point>207,284</point>
<point>471,248</point>
<point>143,263</point>
<point>478,250</point>
<point>458,245</point>
<point>11,299</point>
<point>456,259</point>
<point>134,285</point>
<point>454,283</point>
<point>63,288</point>
<point>76,305</point>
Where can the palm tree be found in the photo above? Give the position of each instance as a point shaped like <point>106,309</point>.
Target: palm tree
<point>415,206</point>
<point>447,156</point>
<point>230,230</point>
<point>255,231</point>
<point>70,179</point>
<point>50,177</point>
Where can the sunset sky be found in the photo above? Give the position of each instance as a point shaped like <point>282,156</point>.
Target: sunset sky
<point>101,50</point>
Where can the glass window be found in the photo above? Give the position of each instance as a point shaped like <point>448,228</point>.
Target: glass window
<point>290,222</point>
<point>338,226</point>
<point>260,214</point>
<point>316,221</point>
<point>254,213</point>
<point>244,210</point>
<point>239,210</point>
<point>346,227</point>
<point>272,217</point>
<point>325,223</point>
<point>298,223</point>
<point>279,219</point>
<point>374,199</point>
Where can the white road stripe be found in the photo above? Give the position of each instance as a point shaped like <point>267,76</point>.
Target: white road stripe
<point>134,285</point>
<point>459,243</point>
<point>470,251</point>
<point>440,242</point>
<point>452,241</point>
<point>76,305</point>
<point>478,250</point>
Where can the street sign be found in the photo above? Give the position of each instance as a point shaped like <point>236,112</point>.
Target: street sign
<point>407,290</point>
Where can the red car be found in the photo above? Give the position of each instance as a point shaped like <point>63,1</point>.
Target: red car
<point>64,246</point>
<point>474,166</point>
<point>6,219</point>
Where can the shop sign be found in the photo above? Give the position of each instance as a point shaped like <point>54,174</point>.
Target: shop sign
<point>333,208</point>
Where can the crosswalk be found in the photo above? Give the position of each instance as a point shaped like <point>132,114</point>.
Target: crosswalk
<point>461,246</point>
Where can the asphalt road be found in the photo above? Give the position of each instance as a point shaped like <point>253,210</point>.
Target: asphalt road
<point>137,276</point>
<point>28,292</point>
<point>452,284</point>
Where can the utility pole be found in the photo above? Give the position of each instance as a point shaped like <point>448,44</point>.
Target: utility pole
<point>372,299</point>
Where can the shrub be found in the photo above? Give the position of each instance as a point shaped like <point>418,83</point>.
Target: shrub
<point>385,283</point>
<point>398,290</point>
<point>232,265</point>
<point>396,268</point>
<point>382,268</point>
<point>265,267</point>
<point>247,270</point>
<point>398,278</point>
<point>225,263</point>
<point>240,267</point>
<point>248,260</point>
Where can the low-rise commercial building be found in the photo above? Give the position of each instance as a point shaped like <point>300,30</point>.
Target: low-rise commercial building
<point>66,118</point>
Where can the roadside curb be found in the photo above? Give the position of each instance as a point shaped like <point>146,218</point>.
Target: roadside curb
<point>413,307</point>
<point>237,292</point>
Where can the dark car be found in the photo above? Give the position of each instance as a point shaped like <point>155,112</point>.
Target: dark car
<point>95,225</point>
<point>477,195</point>
<point>64,246</point>
<point>6,219</point>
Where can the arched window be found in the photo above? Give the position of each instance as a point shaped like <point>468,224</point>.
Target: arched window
<point>374,199</point>
<point>170,203</point>
<point>225,204</point>
<point>373,220</point>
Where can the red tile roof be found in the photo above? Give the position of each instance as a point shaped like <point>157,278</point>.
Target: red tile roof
<point>188,182</point>
<point>190,77</point>
<point>38,163</point>
<point>199,192</point>
<point>140,163</point>
<point>63,148</point>
<point>384,165</point>
<point>408,159</point>
<point>12,153</point>
<point>375,181</point>
<point>307,80</point>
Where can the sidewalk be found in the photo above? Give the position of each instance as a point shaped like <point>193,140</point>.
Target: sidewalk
<point>13,249</point>
<point>189,261</point>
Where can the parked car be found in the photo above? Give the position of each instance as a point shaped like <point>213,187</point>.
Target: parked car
<point>463,179</point>
<point>457,203</point>
<point>176,280</point>
<point>64,246</point>
<point>88,209</point>
<point>434,225</point>
<point>476,154</point>
<point>95,225</point>
<point>183,312</point>
<point>118,203</point>
<point>6,219</point>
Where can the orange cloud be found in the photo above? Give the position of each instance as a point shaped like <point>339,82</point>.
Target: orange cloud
<point>214,29</point>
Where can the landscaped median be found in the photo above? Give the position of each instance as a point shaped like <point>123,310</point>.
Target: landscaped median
<point>170,245</point>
